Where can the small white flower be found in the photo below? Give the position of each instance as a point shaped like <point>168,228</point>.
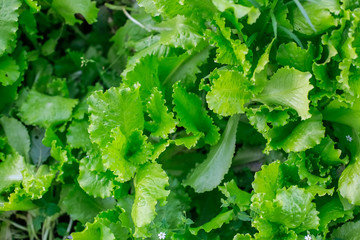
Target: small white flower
<point>348,138</point>
<point>162,235</point>
<point>308,237</point>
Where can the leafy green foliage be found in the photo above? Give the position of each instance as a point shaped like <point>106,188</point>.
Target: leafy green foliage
<point>168,119</point>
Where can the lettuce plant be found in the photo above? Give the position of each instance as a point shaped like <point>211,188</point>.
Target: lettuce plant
<point>179,119</point>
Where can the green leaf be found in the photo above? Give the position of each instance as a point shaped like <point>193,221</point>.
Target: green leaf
<point>17,201</point>
<point>33,4</point>
<point>349,180</point>
<point>341,113</point>
<point>215,223</point>
<point>36,182</point>
<point>80,206</point>
<point>163,122</point>
<point>11,171</point>
<point>67,9</point>
<point>8,23</point>
<point>242,237</point>
<point>77,135</point>
<point>45,111</point>
<point>95,183</point>
<point>123,155</point>
<point>319,15</point>
<point>235,195</point>
<point>292,207</point>
<point>192,116</point>
<point>329,212</point>
<point>17,135</point>
<point>150,183</point>
<point>117,107</point>
<point>144,72</point>
<point>267,180</point>
<point>348,231</point>
<point>180,32</point>
<point>182,68</point>
<point>9,70</point>
<point>94,231</point>
<point>208,175</point>
<point>229,93</point>
<point>298,136</point>
<point>293,56</point>
<point>239,10</point>
<point>229,51</point>
<point>288,87</point>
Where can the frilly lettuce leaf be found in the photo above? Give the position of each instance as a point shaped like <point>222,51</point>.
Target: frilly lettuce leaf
<point>95,183</point>
<point>11,171</point>
<point>229,51</point>
<point>290,88</point>
<point>150,183</point>
<point>162,122</point>
<point>239,10</point>
<point>117,107</point>
<point>232,88</point>
<point>291,55</point>
<point>192,116</point>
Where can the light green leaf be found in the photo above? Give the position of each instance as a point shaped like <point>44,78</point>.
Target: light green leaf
<point>266,180</point>
<point>17,136</point>
<point>163,122</point>
<point>215,223</point>
<point>117,107</point>
<point>95,183</point>
<point>229,51</point>
<point>68,8</point>
<point>94,231</point>
<point>122,155</point>
<point>45,111</point>
<point>291,208</point>
<point>288,87</point>
<point>9,70</point>
<point>11,171</point>
<point>239,10</point>
<point>208,175</point>
<point>144,72</point>
<point>349,182</point>
<point>150,183</point>
<point>17,201</point>
<point>192,116</point>
<point>229,93</point>
<point>8,23</point>
<point>33,4</point>
<point>80,206</point>
<point>180,32</point>
<point>36,182</point>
